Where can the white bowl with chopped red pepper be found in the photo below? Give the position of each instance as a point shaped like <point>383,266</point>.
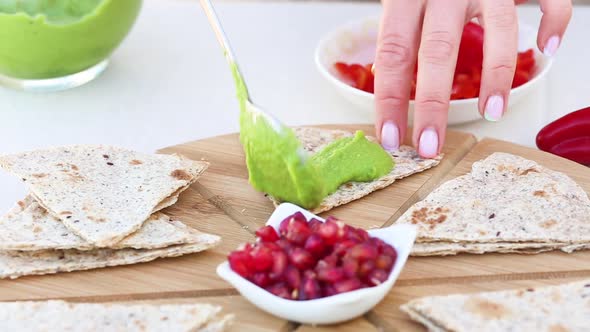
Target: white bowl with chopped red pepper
<point>345,55</point>
<point>314,271</point>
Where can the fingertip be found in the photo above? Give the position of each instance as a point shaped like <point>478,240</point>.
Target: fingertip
<point>494,108</point>
<point>551,46</point>
<point>390,136</point>
<point>429,143</point>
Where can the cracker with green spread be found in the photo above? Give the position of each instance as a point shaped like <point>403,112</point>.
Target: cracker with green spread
<point>406,159</point>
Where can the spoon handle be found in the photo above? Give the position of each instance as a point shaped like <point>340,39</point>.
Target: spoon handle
<point>222,38</point>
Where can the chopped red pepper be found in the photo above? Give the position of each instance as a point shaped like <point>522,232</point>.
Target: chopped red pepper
<point>471,49</point>
<point>520,78</point>
<point>467,80</point>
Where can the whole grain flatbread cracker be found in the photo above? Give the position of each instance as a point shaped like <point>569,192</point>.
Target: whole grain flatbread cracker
<point>110,317</point>
<point>29,226</point>
<point>407,162</point>
<point>564,307</point>
<point>14,264</point>
<point>504,199</point>
<point>195,172</point>
<point>102,193</point>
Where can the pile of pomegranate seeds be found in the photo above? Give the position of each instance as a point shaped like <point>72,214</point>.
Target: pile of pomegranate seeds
<point>307,261</point>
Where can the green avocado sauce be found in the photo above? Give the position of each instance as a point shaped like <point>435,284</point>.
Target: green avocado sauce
<point>278,164</point>
<point>52,38</point>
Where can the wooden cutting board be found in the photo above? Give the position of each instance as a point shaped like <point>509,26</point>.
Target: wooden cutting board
<point>223,203</point>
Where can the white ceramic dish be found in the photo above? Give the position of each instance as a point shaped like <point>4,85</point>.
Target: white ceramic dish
<point>333,309</point>
<point>355,42</point>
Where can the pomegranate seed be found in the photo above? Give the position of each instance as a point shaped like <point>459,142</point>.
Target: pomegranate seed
<point>272,246</point>
<point>261,279</point>
<point>239,262</point>
<point>261,259</point>
<point>332,219</point>
<point>315,245</point>
<point>279,289</point>
<point>267,234</point>
<point>330,274</point>
<point>331,260</point>
<point>348,232</point>
<point>284,244</point>
<point>343,247</point>
<point>350,267</point>
<point>366,268</point>
<point>363,234</point>
<point>293,277</point>
<point>301,258</point>
<point>347,285</point>
<point>284,226</point>
<point>279,264</point>
<point>329,232</point>
<point>377,243</point>
<point>384,262</point>
<point>314,224</point>
<point>328,290</point>
<point>389,251</point>
<point>377,277</point>
<point>310,289</point>
<point>299,216</point>
<point>363,251</point>
<point>297,232</point>
<point>310,274</point>
<point>246,247</point>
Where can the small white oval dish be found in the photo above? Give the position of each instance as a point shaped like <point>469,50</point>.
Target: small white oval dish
<point>355,42</point>
<point>332,309</point>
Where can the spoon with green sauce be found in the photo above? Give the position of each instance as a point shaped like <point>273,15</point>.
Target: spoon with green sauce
<point>278,164</point>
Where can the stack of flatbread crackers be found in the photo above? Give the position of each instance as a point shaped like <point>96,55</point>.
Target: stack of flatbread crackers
<point>554,308</point>
<point>505,204</point>
<point>87,317</point>
<point>407,162</point>
<point>95,206</point>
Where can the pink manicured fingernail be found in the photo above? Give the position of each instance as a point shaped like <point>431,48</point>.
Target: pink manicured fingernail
<point>428,145</point>
<point>551,46</point>
<point>390,136</point>
<point>494,108</point>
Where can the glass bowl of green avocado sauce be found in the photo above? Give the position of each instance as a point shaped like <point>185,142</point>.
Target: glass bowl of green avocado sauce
<point>51,45</point>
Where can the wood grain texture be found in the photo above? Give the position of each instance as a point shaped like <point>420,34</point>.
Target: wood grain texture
<point>359,324</point>
<point>224,203</point>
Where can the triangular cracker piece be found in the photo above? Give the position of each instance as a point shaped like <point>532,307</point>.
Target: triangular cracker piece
<point>504,199</point>
<point>109,317</point>
<point>554,308</point>
<point>407,162</point>
<point>14,264</point>
<point>102,193</point>
<point>30,227</point>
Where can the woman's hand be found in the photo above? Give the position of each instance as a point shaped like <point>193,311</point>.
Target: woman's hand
<point>428,33</point>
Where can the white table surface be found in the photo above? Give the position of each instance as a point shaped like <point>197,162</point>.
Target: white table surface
<point>168,82</point>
